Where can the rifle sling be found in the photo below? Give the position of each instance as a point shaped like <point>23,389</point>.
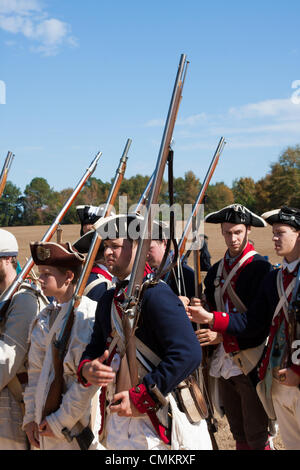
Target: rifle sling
<point>283,295</point>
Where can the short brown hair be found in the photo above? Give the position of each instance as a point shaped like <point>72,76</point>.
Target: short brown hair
<point>76,270</point>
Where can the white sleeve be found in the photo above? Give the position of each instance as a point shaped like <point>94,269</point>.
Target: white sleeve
<point>76,403</point>
<point>36,357</point>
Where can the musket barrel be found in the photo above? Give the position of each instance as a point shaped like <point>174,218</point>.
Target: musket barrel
<point>145,238</point>
<point>144,196</point>
<point>94,247</point>
<point>120,171</point>
<point>211,169</point>
<point>137,274</point>
<point>51,230</point>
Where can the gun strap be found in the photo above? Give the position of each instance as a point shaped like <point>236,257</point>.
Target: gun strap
<point>94,283</point>
<point>220,290</point>
<point>162,271</point>
<point>283,295</point>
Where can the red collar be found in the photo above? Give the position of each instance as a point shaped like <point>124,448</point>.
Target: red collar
<point>101,271</point>
<point>246,250</point>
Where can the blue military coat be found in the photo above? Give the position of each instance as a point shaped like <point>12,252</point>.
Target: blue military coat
<point>164,327</point>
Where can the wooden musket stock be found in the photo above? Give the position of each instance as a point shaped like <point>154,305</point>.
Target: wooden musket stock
<point>5,170</point>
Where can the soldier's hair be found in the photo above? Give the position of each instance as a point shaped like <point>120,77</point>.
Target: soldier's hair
<point>14,262</point>
<point>76,270</point>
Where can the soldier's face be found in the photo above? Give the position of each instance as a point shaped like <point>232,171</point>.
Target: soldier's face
<point>236,237</point>
<point>119,256</point>
<point>53,282</point>
<point>156,253</point>
<point>286,241</point>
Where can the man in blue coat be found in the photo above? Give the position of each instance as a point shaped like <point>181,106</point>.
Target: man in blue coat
<point>167,352</point>
<point>268,316</point>
<point>231,284</point>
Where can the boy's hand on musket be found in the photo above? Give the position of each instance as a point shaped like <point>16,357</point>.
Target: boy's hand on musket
<point>123,406</point>
<point>97,373</point>
<point>32,431</point>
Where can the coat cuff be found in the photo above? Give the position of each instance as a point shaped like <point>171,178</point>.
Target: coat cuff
<point>144,403</point>
<point>80,377</point>
<point>221,321</point>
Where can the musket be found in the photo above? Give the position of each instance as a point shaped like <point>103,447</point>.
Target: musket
<point>200,197</point>
<point>144,197</point>
<point>5,170</point>
<point>130,306</point>
<point>8,294</point>
<point>59,343</point>
<point>203,376</point>
<point>195,209</point>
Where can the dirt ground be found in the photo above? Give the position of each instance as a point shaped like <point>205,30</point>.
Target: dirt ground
<point>262,238</point>
<point>263,244</point>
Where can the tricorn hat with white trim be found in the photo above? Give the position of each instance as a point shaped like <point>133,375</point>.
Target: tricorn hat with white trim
<point>88,214</point>
<point>235,214</point>
<point>285,215</point>
<point>55,254</point>
<point>119,226</point>
<point>130,226</point>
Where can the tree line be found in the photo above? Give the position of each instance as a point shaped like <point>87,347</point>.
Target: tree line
<point>39,204</point>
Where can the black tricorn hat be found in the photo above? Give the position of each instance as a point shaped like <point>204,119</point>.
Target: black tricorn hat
<point>285,215</point>
<point>88,214</point>
<point>120,226</point>
<point>83,244</point>
<point>129,226</point>
<point>235,214</point>
<point>55,254</point>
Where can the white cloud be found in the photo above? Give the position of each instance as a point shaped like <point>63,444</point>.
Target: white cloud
<point>21,7</point>
<point>28,18</point>
<point>269,123</point>
<point>281,108</point>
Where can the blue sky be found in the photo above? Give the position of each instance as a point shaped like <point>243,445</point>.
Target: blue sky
<point>85,76</point>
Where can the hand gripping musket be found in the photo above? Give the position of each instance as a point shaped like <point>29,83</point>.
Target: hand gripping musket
<point>5,170</point>
<point>8,294</point>
<point>203,373</point>
<point>130,306</point>
<point>59,344</point>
